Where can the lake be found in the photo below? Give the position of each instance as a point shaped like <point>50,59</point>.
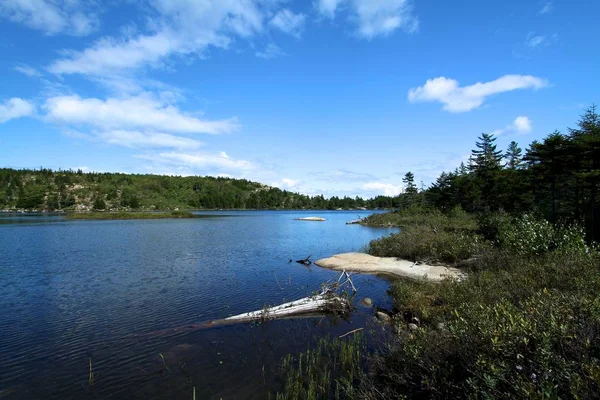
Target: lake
<point>71,291</point>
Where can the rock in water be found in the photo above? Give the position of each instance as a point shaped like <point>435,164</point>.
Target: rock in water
<point>364,263</point>
<point>367,302</point>
<point>383,316</point>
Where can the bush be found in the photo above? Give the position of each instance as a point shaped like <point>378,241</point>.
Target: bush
<point>528,236</point>
<point>424,243</point>
<point>456,219</point>
<point>99,204</point>
<point>545,346</point>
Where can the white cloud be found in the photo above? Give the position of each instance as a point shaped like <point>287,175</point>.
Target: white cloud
<point>522,124</point>
<point>461,99</point>
<point>109,56</point>
<point>181,27</point>
<point>386,189</point>
<point>15,108</point>
<point>535,41</point>
<point>213,162</point>
<point>271,51</point>
<point>136,139</point>
<point>71,17</point>
<point>547,8</point>
<point>289,22</point>
<point>327,8</point>
<point>344,175</point>
<point>289,183</point>
<point>373,17</point>
<point>137,112</point>
<point>27,70</point>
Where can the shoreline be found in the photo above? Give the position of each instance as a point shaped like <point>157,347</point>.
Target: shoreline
<point>103,215</point>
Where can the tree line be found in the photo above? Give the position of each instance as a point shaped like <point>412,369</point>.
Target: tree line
<point>45,189</point>
<point>557,178</point>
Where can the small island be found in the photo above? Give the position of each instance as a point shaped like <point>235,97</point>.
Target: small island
<point>100,215</point>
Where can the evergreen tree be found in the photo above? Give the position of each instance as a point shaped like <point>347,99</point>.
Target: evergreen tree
<point>485,163</point>
<point>513,156</point>
<point>485,158</point>
<point>409,182</point>
<point>547,163</point>
<point>586,161</point>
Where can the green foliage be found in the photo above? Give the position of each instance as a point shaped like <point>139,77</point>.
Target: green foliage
<point>557,177</point>
<point>514,156</point>
<point>524,324</point>
<point>68,190</point>
<point>99,203</point>
<point>31,197</point>
<point>424,243</point>
<point>454,219</point>
<point>527,236</point>
<point>545,346</point>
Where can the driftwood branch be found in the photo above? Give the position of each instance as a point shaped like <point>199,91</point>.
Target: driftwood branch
<point>350,333</point>
<point>331,300</point>
<point>305,261</point>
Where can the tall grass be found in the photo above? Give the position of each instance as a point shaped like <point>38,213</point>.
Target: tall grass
<point>333,369</point>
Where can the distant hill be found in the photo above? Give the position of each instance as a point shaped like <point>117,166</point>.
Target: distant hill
<point>45,189</point>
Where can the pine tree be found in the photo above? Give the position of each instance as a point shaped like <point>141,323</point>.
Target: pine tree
<point>486,158</point>
<point>513,156</point>
<point>409,182</point>
<point>586,157</point>
<point>485,163</point>
<point>548,162</point>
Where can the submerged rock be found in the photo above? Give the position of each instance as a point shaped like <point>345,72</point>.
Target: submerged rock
<point>367,302</point>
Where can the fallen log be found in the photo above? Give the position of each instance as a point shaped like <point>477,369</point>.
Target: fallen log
<point>314,305</point>
<point>331,300</point>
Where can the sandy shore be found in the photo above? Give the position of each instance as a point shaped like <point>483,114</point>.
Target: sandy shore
<point>364,263</point>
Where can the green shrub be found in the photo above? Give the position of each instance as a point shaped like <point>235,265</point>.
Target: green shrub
<point>529,236</point>
<point>99,203</point>
<point>546,346</point>
<point>456,219</point>
<point>426,243</point>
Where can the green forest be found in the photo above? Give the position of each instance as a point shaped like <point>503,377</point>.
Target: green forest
<point>556,178</point>
<point>44,189</point>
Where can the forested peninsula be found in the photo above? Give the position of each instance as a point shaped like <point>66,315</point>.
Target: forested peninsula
<point>48,190</point>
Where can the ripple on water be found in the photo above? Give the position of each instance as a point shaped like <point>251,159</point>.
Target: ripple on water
<point>79,289</point>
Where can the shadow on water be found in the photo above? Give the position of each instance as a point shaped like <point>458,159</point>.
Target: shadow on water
<point>72,290</point>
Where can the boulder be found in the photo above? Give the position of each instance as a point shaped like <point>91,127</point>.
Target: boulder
<point>367,302</point>
<point>365,263</point>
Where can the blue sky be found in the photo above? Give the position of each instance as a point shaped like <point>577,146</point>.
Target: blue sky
<point>340,97</point>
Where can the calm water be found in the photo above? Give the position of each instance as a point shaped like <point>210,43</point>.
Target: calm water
<point>71,290</point>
